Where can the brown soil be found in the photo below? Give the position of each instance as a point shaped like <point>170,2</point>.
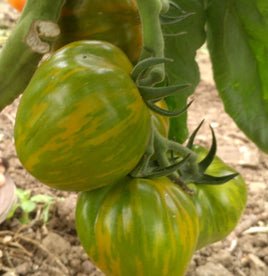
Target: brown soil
<point>54,249</point>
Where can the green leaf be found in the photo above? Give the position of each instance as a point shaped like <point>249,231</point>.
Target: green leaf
<point>238,44</point>
<point>42,198</point>
<point>24,220</point>
<point>23,194</point>
<point>46,213</point>
<point>11,214</point>
<point>28,206</point>
<point>184,69</point>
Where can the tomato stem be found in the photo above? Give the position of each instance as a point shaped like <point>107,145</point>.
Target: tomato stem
<point>153,39</point>
<point>33,36</point>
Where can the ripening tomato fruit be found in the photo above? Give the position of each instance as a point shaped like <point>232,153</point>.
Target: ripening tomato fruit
<point>219,207</point>
<point>81,122</point>
<point>138,227</point>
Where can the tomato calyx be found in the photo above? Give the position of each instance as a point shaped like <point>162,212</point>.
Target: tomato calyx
<point>160,160</point>
<point>202,177</point>
<point>150,94</point>
<point>155,162</point>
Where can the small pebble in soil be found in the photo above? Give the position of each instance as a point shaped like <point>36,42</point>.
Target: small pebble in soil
<point>24,268</point>
<point>212,269</point>
<point>88,267</point>
<point>56,244</point>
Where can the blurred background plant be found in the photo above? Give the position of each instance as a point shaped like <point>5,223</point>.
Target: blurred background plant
<point>28,203</point>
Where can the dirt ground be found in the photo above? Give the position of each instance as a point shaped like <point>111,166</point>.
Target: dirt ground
<point>53,249</point>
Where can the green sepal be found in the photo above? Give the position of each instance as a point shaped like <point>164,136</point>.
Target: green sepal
<point>165,171</point>
<point>143,65</point>
<point>165,112</point>
<point>193,135</point>
<point>157,93</point>
<point>215,180</point>
<point>204,164</point>
<point>201,177</point>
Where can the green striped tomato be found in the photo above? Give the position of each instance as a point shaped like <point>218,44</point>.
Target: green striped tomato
<point>139,227</point>
<point>81,122</point>
<point>115,21</point>
<point>219,207</point>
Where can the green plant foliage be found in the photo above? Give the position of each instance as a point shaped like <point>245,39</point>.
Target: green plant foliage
<point>238,43</point>
<point>28,204</point>
<point>182,49</point>
<point>47,201</point>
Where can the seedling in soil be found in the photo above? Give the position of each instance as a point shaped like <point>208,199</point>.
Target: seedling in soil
<point>29,203</point>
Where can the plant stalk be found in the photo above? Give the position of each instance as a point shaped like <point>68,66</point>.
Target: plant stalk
<point>33,36</point>
<point>153,39</point>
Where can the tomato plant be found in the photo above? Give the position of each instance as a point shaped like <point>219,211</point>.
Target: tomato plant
<point>174,30</point>
<point>84,122</point>
<point>81,123</point>
<point>138,227</point>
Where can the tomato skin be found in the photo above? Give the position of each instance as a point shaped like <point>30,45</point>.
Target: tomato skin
<point>138,227</point>
<point>81,122</point>
<point>219,207</point>
<point>115,21</point>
